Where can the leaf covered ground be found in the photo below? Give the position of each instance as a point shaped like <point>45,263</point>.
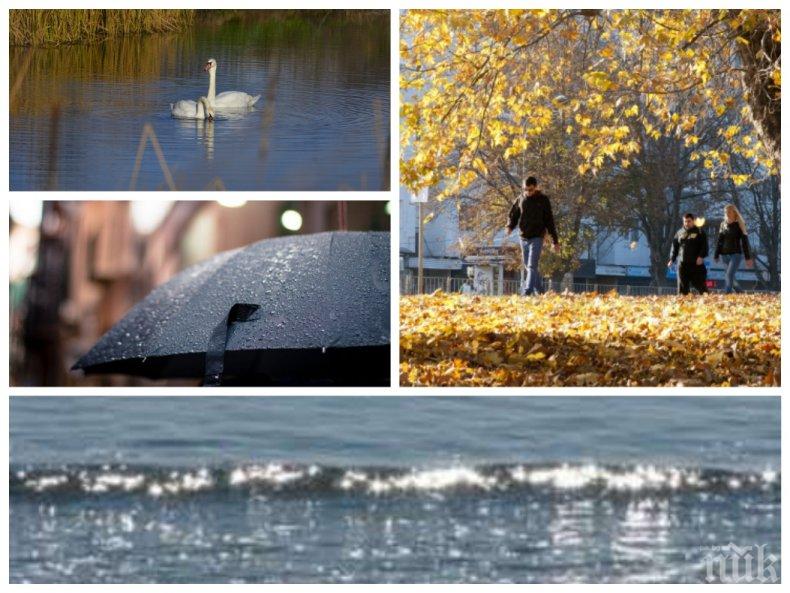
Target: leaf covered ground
<point>589,340</point>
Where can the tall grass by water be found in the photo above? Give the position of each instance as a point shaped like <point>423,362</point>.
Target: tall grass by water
<point>39,28</point>
<point>62,27</point>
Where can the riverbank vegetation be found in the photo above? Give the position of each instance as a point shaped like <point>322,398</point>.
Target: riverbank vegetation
<point>63,27</point>
<point>42,28</point>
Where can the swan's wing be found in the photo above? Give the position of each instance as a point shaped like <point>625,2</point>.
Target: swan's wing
<point>185,104</point>
<point>232,96</point>
<point>233,99</point>
<point>183,108</point>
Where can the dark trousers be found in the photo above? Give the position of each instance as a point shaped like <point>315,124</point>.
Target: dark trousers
<point>691,275</point>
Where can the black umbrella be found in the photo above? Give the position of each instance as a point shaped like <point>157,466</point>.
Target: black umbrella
<point>299,310</point>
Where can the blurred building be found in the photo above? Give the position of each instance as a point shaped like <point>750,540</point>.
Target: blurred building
<point>78,266</point>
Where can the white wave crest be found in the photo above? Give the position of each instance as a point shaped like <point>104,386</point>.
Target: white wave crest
<point>179,483</point>
<point>273,474</point>
<point>419,480</point>
<point>567,477</point>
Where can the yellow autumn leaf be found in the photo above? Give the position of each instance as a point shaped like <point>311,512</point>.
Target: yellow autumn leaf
<point>739,179</point>
<point>591,339</point>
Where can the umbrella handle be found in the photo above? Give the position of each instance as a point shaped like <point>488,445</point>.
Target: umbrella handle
<point>215,350</point>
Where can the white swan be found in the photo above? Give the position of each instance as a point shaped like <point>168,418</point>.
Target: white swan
<point>229,100</point>
<point>186,109</point>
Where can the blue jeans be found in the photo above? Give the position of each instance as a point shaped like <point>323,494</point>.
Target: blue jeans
<point>731,261</point>
<point>530,251</point>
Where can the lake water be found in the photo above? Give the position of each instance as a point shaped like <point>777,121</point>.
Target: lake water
<point>381,489</point>
<point>321,124</point>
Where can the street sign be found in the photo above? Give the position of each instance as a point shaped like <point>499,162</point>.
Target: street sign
<point>421,197</point>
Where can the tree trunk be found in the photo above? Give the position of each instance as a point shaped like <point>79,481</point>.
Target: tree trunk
<point>759,55</point>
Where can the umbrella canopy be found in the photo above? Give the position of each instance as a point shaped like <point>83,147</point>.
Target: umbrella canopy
<point>300,310</point>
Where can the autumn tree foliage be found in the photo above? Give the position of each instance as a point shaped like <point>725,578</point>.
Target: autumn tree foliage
<point>578,199</point>
<point>665,178</point>
<point>481,87</point>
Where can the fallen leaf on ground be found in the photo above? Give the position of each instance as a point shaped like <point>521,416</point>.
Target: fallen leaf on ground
<point>590,340</point>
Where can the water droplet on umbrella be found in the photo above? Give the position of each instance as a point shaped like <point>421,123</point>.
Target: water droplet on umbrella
<point>306,286</point>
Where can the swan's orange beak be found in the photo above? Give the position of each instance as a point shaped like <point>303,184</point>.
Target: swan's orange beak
<point>207,67</point>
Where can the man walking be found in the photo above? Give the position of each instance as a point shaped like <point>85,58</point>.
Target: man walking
<point>689,249</point>
<point>531,213</point>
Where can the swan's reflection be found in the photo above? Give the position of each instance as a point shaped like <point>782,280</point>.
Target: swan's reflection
<point>204,133</point>
<point>204,128</point>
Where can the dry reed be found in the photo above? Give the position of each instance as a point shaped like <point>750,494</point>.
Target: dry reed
<point>38,27</point>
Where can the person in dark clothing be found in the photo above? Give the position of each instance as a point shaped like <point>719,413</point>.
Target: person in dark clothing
<point>531,213</point>
<point>732,246</point>
<point>689,249</point>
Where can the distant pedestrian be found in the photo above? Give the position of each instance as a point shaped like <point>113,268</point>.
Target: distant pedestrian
<point>689,250</point>
<point>531,213</point>
<point>732,246</point>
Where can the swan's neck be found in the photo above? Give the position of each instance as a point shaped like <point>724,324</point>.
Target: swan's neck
<point>204,109</point>
<point>212,85</point>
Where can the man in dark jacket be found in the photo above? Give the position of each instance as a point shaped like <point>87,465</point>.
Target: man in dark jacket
<point>689,249</point>
<point>531,213</point>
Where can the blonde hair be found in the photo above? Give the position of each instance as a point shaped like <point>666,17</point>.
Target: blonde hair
<point>731,209</point>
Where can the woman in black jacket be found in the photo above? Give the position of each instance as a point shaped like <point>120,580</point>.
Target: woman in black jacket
<point>732,246</point>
